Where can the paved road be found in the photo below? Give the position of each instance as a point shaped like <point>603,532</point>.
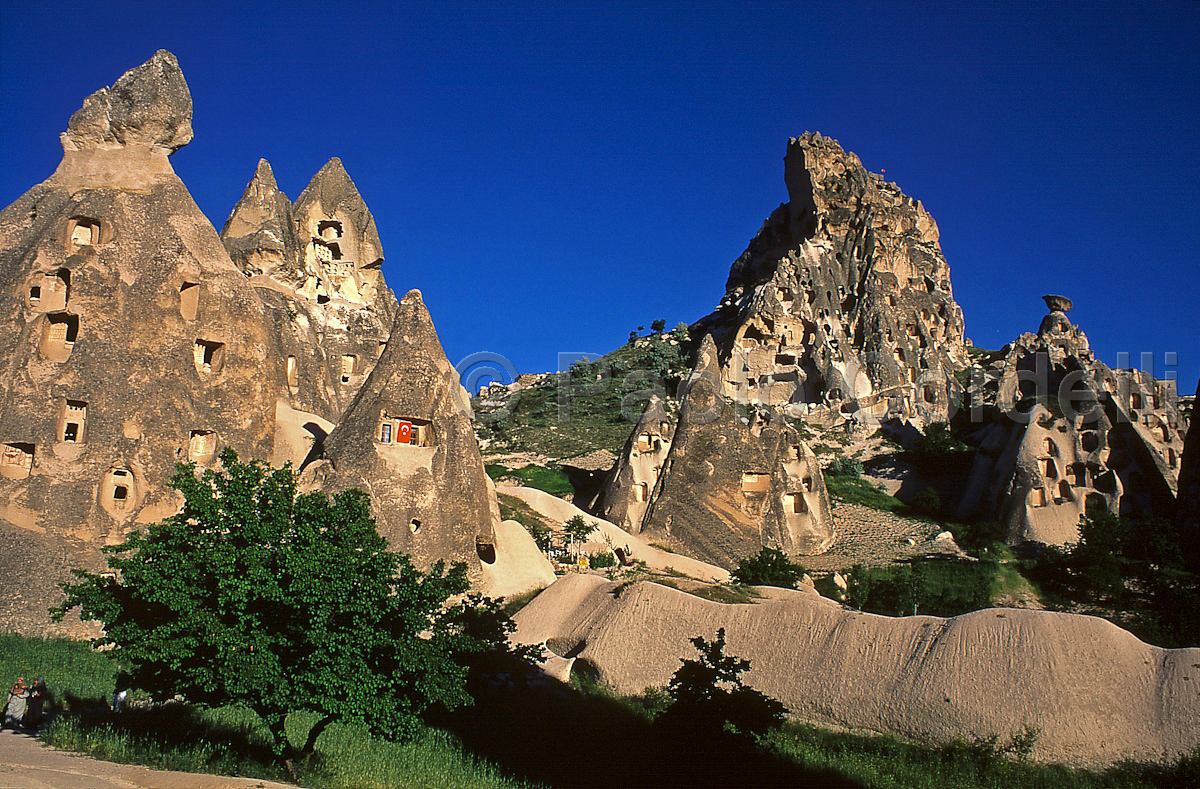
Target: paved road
<point>27,764</point>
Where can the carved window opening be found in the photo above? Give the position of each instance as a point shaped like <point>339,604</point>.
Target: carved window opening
<point>292,376</point>
<point>209,356</point>
<point>486,550</point>
<point>1051,448</point>
<point>189,300</point>
<point>1064,491</point>
<point>82,232</point>
<point>1037,497</point>
<point>17,462</point>
<point>1172,457</point>
<point>202,446</point>
<point>59,335</point>
<point>1048,468</point>
<point>891,300</point>
<point>35,294</point>
<point>930,394</point>
<point>349,367</point>
<point>329,229</point>
<point>794,504</point>
<point>1077,474</point>
<point>1089,440</point>
<point>51,292</point>
<point>73,422</point>
<point>414,525</point>
<point>407,431</point>
<point>1135,400</point>
<point>640,490</point>
<point>645,442</point>
<point>1163,433</point>
<point>784,359</point>
<point>755,482</point>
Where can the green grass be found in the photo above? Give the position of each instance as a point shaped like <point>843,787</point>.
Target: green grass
<point>888,763</point>
<point>551,480</point>
<point>856,490</point>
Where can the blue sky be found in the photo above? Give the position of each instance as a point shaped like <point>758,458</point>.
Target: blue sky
<point>552,175</point>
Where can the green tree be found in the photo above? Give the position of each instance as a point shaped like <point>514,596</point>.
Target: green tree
<point>254,596</point>
<point>576,532</point>
<point>658,326</point>
<point>771,567</point>
<point>708,693</point>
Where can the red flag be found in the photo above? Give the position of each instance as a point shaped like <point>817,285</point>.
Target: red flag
<point>404,433</point>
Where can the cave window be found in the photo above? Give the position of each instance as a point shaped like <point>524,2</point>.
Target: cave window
<point>806,482</point>
<point>1037,497</point>
<point>209,356</point>
<point>645,442</point>
<point>1164,432</point>
<point>755,482</point>
<point>794,503</point>
<point>891,300</point>
<point>414,525</point>
<point>120,495</point>
<point>1172,457</point>
<point>930,394</point>
<point>385,433</point>
<point>74,422</point>
<point>1135,400</point>
<point>349,367</point>
<point>1095,503</point>
<point>189,300</point>
<point>1089,440</point>
<point>35,293</point>
<point>202,446</point>
<point>17,461</point>
<point>405,431</point>
<point>1048,467</point>
<point>640,491</point>
<point>1155,401</point>
<point>1077,473</point>
<point>486,550</point>
<point>60,334</point>
<point>84,233</point>
<point>1051,448</point>
<point>292,377</point>
<point>329,230</point>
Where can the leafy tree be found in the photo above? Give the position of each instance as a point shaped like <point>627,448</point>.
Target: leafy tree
<point>658,326</point>
<point>939,441</point>
<point>707,694</point>
<point>771,567</point>
<point>576,532</point>
<point>254,596</point>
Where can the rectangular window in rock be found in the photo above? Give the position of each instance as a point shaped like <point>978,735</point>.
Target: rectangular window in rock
<point>17,461</point>
<point>755,482</point>
<point>405,431</point>
<point>209,356</point>
<point>639,491</point>
<point>292,375</point>
<point>73,422</point>
<point>58,336</point>
<point>82,232</point>
<point>349,367</point>
<point>202,446</point>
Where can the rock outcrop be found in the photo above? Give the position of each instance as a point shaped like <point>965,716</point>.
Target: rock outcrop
<point>1097,694</point>
<point>133,341</point>
<point>1188,497</point>
<point>841,306</point>
<point>732,483</point>
<point>634,478</point>
<point>1064,433</point>
<point>316,265</point>
<point>407,440</point>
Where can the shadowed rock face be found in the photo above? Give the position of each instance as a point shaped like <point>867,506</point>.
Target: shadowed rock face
<point>407,440</point>
<point>1066,433</point>
<point>842,303</point>
<point>133,341</point>
<point>1188,513</point>
<point>317,267</point>
<point>732,484</point>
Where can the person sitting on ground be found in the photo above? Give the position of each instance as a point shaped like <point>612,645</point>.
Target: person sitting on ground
<point>14,713</point>
<point>37,700</point>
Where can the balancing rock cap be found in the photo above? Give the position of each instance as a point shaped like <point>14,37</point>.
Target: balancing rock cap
<point>1057,303</point>
<point>149,106</point>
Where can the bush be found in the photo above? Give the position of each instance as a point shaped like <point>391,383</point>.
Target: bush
<point>843,466</point>
<point>938,441</point>
<point>771,567</point>
<point>601,559</point>
<point>928,502</point>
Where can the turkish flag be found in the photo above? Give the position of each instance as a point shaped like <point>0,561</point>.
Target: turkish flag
<point>404,433</point>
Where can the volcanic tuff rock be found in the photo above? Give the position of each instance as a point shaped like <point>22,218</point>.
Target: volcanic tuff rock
<point>731,484</point>
<point>1063,433</point>
<point>132,340</point>
<point>1097,693</point>
<point>135,341</point>
<point>407,440</point>
<point>635,476</point>
<point>1188,500</point>
<point>317,266</point>
<point>842,302</point>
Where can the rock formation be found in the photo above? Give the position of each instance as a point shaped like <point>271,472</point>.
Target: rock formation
<point>1098,695</point>
<point>134,341</point>
<point>841,306</point>
<point>317,266</point>
<point>633,479</point>
<point>407,440</point>
<point>730,483</point>
<point>1063,433</point>
<point>1188,496</point>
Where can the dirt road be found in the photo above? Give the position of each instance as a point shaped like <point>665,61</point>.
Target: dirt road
<point>27,764</point>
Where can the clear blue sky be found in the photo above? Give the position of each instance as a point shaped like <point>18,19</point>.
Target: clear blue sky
<point>552,175</point>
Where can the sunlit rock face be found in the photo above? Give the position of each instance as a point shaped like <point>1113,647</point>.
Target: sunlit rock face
<point>842,304</point>
<point>733,480</point>
<point>133,341</point>
<point>316,265</point>
<point>1063,433</point>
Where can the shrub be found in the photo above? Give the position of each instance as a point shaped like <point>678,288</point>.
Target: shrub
<point>771,567</point>
<point>843,466</point>
<point>601,559</point>
<point>928,502</point>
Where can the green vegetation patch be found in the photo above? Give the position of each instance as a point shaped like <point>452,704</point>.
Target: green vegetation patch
<point>76,674</point>
<point>552,480</point>
<point>935,587</point>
